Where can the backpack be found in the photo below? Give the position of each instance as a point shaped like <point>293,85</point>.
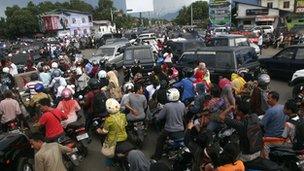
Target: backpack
<point>298,142</point>
<point>99,103</point>
<point>254,134</point>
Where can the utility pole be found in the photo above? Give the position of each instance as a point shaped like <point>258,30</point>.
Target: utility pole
<point>112,17</point>
<point>191,14</point>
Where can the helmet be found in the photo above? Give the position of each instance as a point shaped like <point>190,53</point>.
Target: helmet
<point>66,93</point>
<point>173,95</point>
<point>112,106</point>
<point>56,73</point>
<point>54,65</point>
<point>264,80</point>
<point>5,69</point>
<point>102,74</point>
<point>128,86</point>
<point>39,87</point>
<point>93,83</point>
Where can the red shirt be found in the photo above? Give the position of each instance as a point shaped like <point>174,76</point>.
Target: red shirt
<point>53,126</point>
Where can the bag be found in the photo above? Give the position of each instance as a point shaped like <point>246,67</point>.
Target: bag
<point>298,142</point>
<point>99,103</point>
<point>254,134</point>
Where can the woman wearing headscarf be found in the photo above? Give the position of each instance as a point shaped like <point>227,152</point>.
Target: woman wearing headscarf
<point>237,83</point>
<point>138,161</point>
<point>114,88</point>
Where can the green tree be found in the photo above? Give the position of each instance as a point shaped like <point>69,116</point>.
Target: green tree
<point>80,5</point>
<point>105,4</point>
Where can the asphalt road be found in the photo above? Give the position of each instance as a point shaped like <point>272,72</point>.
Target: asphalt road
<point>95,161</point>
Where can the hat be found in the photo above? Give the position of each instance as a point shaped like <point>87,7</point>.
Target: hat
<point>5,69</point>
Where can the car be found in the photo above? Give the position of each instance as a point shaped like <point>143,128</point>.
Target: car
<point>285,63</point>
<point>221,61</point>
<point>143,53</point>
<point>267,29</point>
<point>297,81</point>
<point>233,40</point>
<point>147,35</point>
<point>16,153</point>
<point>100,41</point>
<point>220,31</point>
<point>180,46</point>
<point>111,54</point>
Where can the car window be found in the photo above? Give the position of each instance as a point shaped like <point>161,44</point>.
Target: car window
<point>193,45</point>
<point>300,54</point>
<point>286,54</point>
<point>216,60</point>
<point>220,42</point>
<point>245,57</point>
<point>129,54</point>
<point>188,60</point>
<point>142,54</point>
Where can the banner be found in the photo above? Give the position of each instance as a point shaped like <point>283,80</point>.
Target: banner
<point>220,12</point>
<point>299,7</point>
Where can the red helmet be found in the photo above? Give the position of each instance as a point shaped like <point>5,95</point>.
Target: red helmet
<point>66,93</point>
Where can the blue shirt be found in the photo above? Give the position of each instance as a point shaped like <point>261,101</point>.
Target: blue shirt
<point>273,121</point>
<point>188,88</point>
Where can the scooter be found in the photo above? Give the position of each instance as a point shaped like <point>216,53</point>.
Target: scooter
<point>137,131</point>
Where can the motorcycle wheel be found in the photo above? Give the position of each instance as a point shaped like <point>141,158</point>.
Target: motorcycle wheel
<point>24,165</point>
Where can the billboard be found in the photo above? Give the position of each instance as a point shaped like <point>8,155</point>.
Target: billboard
<point>220,12</point>
<point>134,6</point>
<point>299,8</point>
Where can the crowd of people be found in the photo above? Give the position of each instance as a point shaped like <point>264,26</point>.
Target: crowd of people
<point>192,106</point>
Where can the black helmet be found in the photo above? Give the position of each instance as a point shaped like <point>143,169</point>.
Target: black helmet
<point>94,84</point>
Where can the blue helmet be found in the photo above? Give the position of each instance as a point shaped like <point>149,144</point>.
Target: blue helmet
<point>39,87</point>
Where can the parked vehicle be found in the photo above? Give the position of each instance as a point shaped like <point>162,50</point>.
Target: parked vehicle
<point>143,54</point>
<point>147,35</point>
<point>179,47</point>
<point>222,61</point>
<point>219,31</point>
<point>233,40</point>
<point>285,63</point>
<point>102,40</point>
<point>265,28</point>
<point>297,81</point>
<point>112,54</point>
<point>16,153</point>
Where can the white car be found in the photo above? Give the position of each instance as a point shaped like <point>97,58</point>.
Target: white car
<point>266,28</point>
<point>297,81</point>
<point>147,35</point>
<point>219,31</point>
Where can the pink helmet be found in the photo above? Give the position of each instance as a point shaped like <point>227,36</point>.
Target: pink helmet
<point>66,93</point>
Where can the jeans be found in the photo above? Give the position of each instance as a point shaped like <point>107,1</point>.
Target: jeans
<point>161,140</point>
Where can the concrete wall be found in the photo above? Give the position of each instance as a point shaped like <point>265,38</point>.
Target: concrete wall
<point>279,4</point>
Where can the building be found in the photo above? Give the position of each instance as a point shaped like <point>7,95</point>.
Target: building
<point>249,15</point>
<point>103,27</point>
<point>67,23</point>
<point>287,5</point>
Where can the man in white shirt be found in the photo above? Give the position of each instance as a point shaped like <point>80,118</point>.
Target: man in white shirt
<point>260,42</point>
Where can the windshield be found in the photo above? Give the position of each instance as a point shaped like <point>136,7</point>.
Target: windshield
<point>241,42</point>
<point>213,60</point>
<point>105,52</point>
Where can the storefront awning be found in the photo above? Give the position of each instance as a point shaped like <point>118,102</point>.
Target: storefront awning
<point>264,18</point>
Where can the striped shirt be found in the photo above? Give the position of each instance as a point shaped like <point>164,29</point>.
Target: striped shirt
<point>31,86</point>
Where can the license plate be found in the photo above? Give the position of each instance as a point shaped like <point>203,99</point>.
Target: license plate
<point>82,136</point>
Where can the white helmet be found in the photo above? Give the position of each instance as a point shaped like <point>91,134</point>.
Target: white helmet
<point>128,86</point>
<point>102,74</point>
<point>78,71</point>
<point>112,106</point>
<point>173,95</point>
<point>5,69</point>
<point>264,80</point>
<point>54,65</point>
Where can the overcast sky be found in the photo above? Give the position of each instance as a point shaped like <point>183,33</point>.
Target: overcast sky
<point>160,6</point>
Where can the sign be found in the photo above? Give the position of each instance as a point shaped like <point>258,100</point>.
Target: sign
<point>134,6</point>
<point>264,18</point>
<point>299,7</point>
<point>257,12</point>
<point>220,13</point>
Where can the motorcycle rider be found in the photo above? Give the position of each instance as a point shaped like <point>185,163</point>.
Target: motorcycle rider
<point>128,89</point>
<point>57,82</point>
<point>30,86</point>
<point>174,127</point>
<point>9,110</point>
<point>51,120</point>
<point>259,95</point>
<point>7,80</point>
<point>68,106</point>
<point>102,77</point>
<point>186,84</point>
<point>136,103</point>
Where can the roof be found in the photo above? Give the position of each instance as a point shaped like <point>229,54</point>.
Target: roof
<point>66,12</point>
<point>221,48</point>
<point>238,2</point>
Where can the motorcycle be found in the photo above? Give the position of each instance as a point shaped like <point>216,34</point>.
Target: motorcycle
<point>78,133</point>
<point>288,158</point>
<point>137,132</point>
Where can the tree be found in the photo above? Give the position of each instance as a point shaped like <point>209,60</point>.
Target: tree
<point>200,12</point>
<point>80,5</point>
<point>105,4</point>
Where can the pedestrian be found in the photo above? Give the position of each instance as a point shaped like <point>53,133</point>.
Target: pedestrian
<point>49,155</point>
<point>260,42</point>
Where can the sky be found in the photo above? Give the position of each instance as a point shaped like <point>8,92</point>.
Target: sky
<point>161,7</point>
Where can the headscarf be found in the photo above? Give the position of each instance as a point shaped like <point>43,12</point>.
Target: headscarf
<point>113,78</point>
<point>138,161</point>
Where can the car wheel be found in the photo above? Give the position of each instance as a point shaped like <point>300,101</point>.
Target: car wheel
<point>24,164</point>
<point>296,89</point>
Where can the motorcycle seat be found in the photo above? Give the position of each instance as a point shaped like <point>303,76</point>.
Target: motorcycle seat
<point>75,125</point>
